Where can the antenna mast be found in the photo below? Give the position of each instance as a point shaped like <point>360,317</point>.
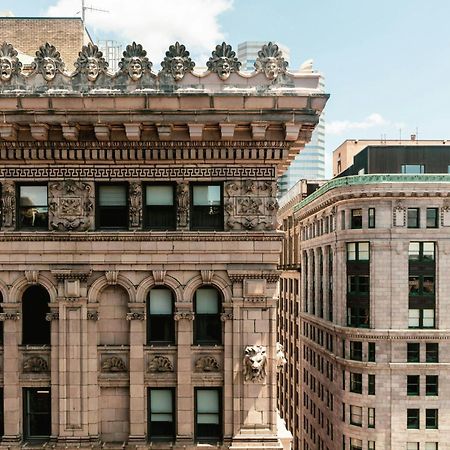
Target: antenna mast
<point>90,8</point>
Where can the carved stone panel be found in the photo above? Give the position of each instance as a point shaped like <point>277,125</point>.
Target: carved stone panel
<point>250,205</point>
<point>35,364</point>
<point>183,205</point>
<point>445,216</point>
<point>114,364</point>
<point>207,364</point>
<point>135,211</point>
<point>8,205</point>
<point>160,363</point>
<point>399,216</point>
<point>71,206</point>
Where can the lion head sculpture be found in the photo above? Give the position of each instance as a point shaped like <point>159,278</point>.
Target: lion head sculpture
<point>255,363</point>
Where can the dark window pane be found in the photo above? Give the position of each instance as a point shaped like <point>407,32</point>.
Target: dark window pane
<point>413,218</point>
<point>432,217</point>
<point>371,352</point>
<point>35,328</point>
<point>356,218</point>
<point>413,385</point>
<point>37,409</point>
<point>432,352</point>
<point>112,206</point>
<point>356,350</point>
<point>371,385</point>
<point>207,208</point>
<point>160,210</point>
<point>413,352</point>
<point>208,417</point>
<point>356,383</point>
<point>412,421</point>
<point>161,414</point>
<point>160,322</point>
<point>432,385</point>
<point>371,218</point>
<point>207,323</point>
<point>431,419</point>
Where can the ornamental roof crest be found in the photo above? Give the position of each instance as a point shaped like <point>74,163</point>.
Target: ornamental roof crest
<point>48,62</point>
<point>177,61</point>
<point>270,61</point>
<point>9,63</point>
<point>91,62</point>
<point>135,62</point>
<point>223,61</point>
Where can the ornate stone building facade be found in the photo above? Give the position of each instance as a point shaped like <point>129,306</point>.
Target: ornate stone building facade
<point>364,313</point>
<point>139,246</point>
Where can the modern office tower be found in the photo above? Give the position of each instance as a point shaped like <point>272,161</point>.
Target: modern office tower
<point>139,250</point>
<point>310,162</point>
<point>363,311</point>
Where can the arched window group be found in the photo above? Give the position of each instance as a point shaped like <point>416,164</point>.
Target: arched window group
<point>160,320</point>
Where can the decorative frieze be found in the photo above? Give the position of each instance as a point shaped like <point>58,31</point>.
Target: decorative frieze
<point>160,363</point>
<point>255,361</point>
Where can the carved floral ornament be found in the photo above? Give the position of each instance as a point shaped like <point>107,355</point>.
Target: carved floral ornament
<point>114,364</point>
<point>35,364</point>
<point>160,363</point>
<point>135,63</point>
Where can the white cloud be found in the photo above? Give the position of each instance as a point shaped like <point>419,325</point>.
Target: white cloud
<point>155,24</point>
<point>338,127</point>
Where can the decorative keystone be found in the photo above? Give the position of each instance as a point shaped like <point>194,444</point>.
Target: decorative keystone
<point>8,131</point>
<point>259,131</point>
<point>102,132</point>
<point>227,130</point>
<point>70,132</point>
<point>133,131</point>
<point>39,131</point>
<point>196,131</point>
<point>291,131</point>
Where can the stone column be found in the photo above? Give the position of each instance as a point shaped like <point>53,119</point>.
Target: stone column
<point>138,427</point>
<point>11,372</point>
<point>340,285</point>
<point>53,318</point>
<point>227,319</point>
<point>185,405</point>
<point>93,390</point>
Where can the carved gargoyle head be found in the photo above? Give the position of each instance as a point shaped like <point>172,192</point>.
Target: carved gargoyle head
<point>223,61</point>
<point>270,60</point>
<point>9,63</point>
<point>255,363</point>
<point>91,62</point>
<point>48,62</point>
<point>177,61</point>
<point>135,61</point>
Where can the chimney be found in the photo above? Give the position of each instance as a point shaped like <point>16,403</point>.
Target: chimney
<point>413,137</point>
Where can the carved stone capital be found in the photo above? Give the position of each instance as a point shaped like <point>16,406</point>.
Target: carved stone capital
<point>92,314</point>
<point>136,315</point>
<point>226,316</point>
<point>9,316</point>
<point>179,315</point>
<point>52,316</point>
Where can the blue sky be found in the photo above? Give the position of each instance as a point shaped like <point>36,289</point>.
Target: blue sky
<point>386,62</point>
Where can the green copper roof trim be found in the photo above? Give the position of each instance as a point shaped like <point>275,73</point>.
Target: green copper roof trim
<point>371,179</point>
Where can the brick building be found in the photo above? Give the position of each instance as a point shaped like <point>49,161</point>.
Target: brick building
<point>138,264</point>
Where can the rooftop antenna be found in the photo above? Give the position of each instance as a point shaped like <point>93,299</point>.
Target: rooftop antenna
<point>90,8</point>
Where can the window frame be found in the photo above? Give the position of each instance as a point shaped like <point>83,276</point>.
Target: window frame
<point>432,418</point>
<point>147,214</point>
<point>413,418</point>
<point>432,385</point>
<point>165,437</point>
<point>356,219</point>
<point>429,352</point>
<point>195,209</point>
<point>358,252</point>
<point>210,317</point>
<point>371,218</point>
<point>412,385</point>
<point>356,385</point>
<point>371,417</point>
<point>19,208</point>
<point>409,220</point>
<point>356,415</point>
<point>124,214</point>
<point>208,439</point>
<point>371,384</point>
<point>168,318</point>
<point>356,354</point>
<point>410,352</point>
<point>371,352</point>
<point>434,224</point>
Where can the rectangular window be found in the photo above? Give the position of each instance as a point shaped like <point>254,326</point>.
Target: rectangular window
<point>371,384</point>
<point>356,352</point>
<point>371,417</point>
<point>356,415</point>
<point>412,169</point>
<point>161,413</point>
<point>112,206</point>
<point>432,352</point>
<point>413,217</point>
<point>371,352</point>
<point>206,207</point>
<point>356,218</point>
<point>208,417</point>
<point>421,285</point>
<point>421,318</point>
<point>207,323</point>
<point>371,445</point>
<point>371,218</point>
<point>431,446</point>
<point>358,317</point>
<point>413,352</point>
<point>160,211</point>
<point>37,413</point>
<point>356,383</point>
<point>342,220</point>
<point>432,217</point>
<point>33,207</point>
<point>357,251</point>
<point>431,419</point>
<point>413,385</point>
<point>432,385</point>
<point>412,418</point>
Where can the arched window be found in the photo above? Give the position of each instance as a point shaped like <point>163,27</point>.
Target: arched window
<point>160,322</point>
<point>35,329</point>
<point>207,323</point>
